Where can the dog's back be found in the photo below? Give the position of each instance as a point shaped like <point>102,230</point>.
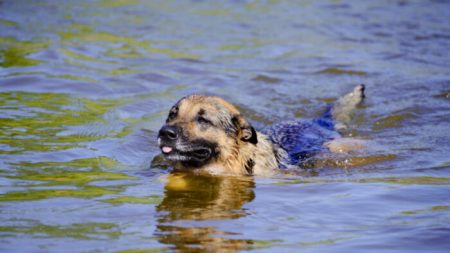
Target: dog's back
<point>300,139</point>
<point>303,139</point>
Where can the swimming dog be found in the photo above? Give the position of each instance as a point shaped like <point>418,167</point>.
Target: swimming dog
<point>207,134</point>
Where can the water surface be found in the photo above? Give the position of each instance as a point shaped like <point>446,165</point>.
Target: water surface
<point>85,85</point>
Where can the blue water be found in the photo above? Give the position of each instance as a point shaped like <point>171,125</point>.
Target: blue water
<point>85,86</point>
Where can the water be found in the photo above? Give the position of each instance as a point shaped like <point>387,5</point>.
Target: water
<point>85,85</point>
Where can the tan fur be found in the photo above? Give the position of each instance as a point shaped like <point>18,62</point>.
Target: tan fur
<point>201,197</point>
<point>234,153</point>
<point>234,162</point>
<point>345,145</point>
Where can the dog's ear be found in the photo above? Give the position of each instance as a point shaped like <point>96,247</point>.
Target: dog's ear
<point>247,132</point>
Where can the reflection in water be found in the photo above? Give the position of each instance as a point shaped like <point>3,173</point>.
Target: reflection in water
<point>200,198</point>
<point>87,231</point>
<point>73,178</point>
<point>62,122</point>
<point>15,53</point>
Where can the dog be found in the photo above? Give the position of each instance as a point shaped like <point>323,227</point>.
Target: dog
<point>207,134</point>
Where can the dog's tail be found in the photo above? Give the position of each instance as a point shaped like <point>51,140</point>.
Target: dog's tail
<point>343,108</point>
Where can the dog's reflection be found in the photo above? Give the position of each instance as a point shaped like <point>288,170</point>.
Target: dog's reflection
<point>191,201</point>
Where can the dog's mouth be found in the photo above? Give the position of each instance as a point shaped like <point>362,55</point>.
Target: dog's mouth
<point>193,155</point>
<point>198,153</point>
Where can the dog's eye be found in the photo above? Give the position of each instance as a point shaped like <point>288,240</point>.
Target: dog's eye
<point>173,113</point>
<point>203,120</point>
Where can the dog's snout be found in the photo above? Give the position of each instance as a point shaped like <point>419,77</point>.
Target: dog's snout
<point>169,132</point>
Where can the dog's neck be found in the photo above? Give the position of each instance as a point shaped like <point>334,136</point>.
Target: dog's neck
<point>252,159</point>
<point>245,159</point>
<point>265,157</point>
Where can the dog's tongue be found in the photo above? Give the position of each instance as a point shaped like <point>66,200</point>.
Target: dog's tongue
<point>166,149</point>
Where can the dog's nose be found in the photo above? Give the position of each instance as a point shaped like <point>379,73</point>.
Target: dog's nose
<point>169,132</point>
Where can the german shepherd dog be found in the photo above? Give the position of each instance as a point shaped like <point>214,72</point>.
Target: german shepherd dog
<point>206,134</point>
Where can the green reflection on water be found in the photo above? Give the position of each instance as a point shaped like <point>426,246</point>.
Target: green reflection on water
<point>267,79</point>
<point>77,231</point>
<point>424,211</point>
<point>42,118</point>
<point>68,77</point>
<point>82,57</point>
<point>393,121</point>
<point>94,163</point>
<point>76,173</point>
<point>129,47</point>
<point>125,51</point>
<point>152,199</point>
<point>14,53</point>
<point>117,3</point>
<point>322,242</point>
<point>56,176</point>
<point>149,250</point>
<point>263,244</point>
<point>6,22</point>
<point>80,192</point>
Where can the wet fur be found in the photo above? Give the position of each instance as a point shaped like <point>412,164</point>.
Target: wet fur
<point>236,147</point>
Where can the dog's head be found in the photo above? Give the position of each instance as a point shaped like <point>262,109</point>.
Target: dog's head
<point>203,129</point>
